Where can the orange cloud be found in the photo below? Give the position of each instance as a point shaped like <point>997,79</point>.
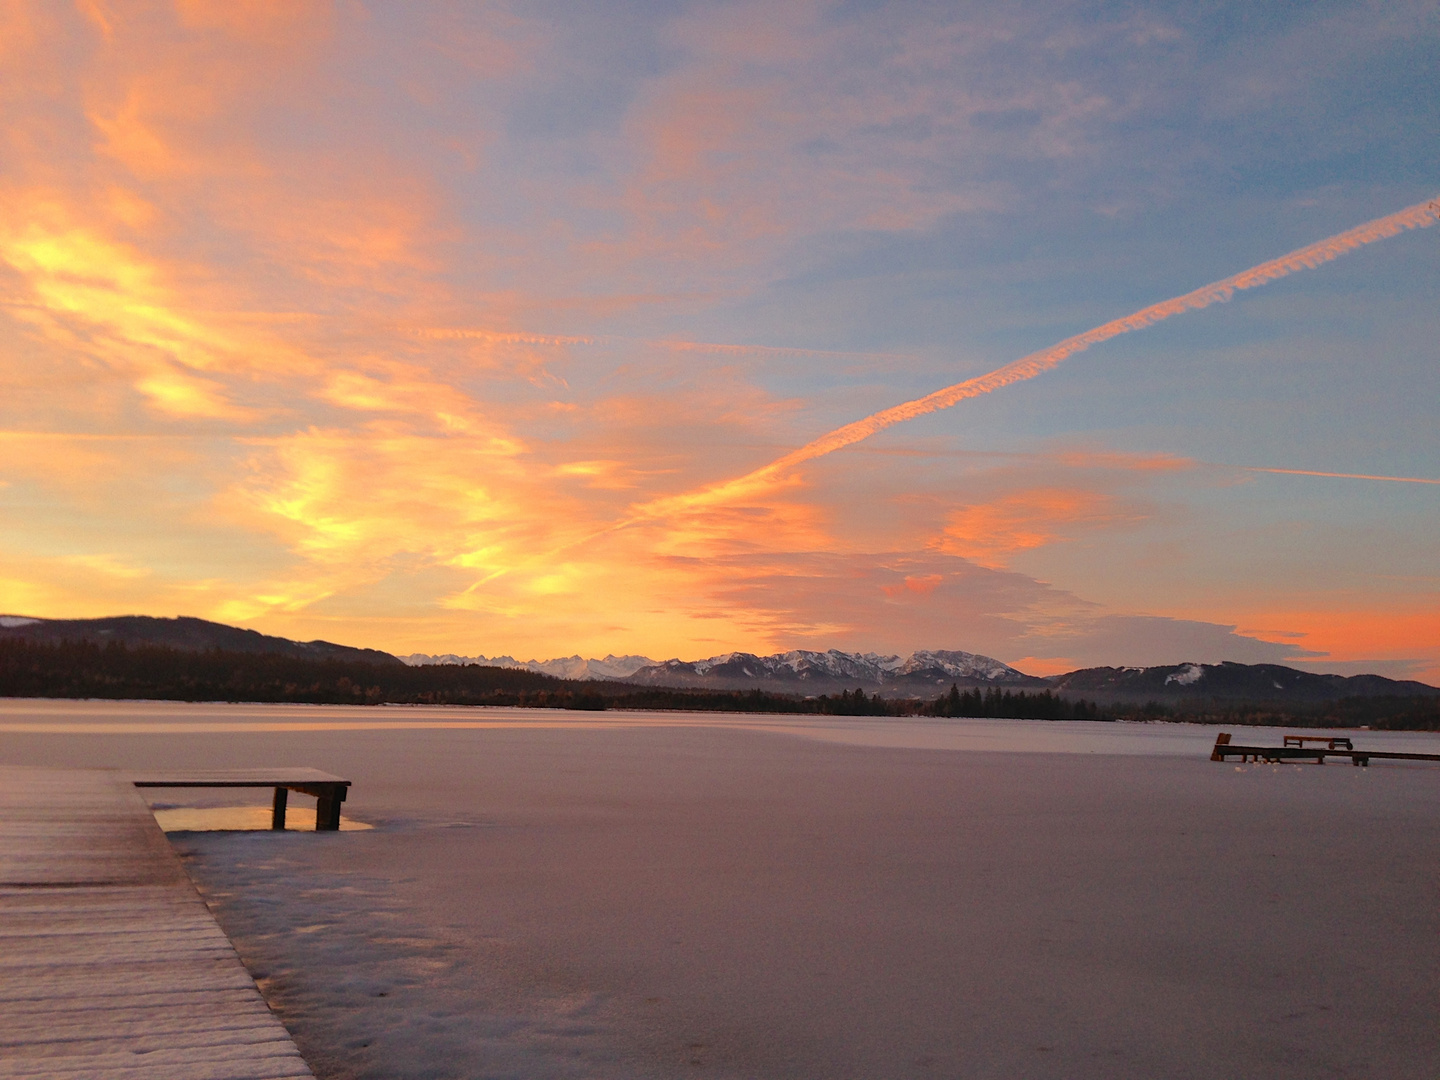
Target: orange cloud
<point>273,23</point>
<point>991,532</point>
<point>355,497</point>
<point>920,584</point>
<point>104,297</point>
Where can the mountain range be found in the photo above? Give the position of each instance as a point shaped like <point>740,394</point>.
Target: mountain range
<point>801,671</point>
<point>928,672</point>
<point>798,671</point>
<point>565,667</point>
<point>923,674</point>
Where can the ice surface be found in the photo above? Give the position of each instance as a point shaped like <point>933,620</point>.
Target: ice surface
<point>658,896</point>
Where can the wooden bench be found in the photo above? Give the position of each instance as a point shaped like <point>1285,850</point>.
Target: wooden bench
<point>1333,744</point>
<point>329,791</point>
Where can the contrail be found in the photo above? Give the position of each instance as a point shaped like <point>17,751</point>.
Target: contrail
<point>1339,475</point>
<point>1419,216</point>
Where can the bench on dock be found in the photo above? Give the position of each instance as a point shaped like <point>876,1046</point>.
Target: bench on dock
<point>1333,744</point>
<point>1225,749</point>
<point>329,791</point>
<point>1296,750</point>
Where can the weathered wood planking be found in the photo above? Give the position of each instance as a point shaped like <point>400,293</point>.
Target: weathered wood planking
<point>110,964</point>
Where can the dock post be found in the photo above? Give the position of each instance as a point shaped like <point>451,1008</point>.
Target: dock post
<point>1223,739</point>
<point>277,812</point>
<point>327,808</point>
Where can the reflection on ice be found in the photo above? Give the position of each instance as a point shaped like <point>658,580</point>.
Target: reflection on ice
<point>166,718</point>
<point>236,819</point>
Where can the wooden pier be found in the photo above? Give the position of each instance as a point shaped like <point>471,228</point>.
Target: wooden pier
<point>329,791</point>
<point>110,963</point>
<point>1296,751</point>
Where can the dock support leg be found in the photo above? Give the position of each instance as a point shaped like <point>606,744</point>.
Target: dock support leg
<point>327,809</point>
<point>277,812</point>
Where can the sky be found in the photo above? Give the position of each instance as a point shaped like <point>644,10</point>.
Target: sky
<point>495,328</point>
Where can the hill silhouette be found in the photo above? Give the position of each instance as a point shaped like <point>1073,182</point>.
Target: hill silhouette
<point>185,634</point>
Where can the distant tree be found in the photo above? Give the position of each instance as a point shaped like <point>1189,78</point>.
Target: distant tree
<point>952,704</point>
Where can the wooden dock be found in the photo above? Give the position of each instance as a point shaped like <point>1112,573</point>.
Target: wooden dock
<point>110,963</point>
<point>329,791</point>
<point>1295,751</point>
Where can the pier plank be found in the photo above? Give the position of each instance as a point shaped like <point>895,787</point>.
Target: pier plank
<point>110,963</point>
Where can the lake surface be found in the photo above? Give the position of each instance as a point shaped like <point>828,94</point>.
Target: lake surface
<point>661,895</point>
<point>50,717</point>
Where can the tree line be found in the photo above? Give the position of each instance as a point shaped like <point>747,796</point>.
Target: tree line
<point>82,669</point>
<point>1016,705</point>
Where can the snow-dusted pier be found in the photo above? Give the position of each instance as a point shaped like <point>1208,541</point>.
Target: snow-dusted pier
<point>110,963</point>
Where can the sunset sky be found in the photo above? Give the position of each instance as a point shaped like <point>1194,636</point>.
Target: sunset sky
<point>447,327</point>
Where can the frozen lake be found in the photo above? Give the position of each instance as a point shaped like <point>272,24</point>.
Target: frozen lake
<point>659,895</point>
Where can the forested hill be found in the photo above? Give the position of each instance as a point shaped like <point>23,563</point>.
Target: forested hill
<point>185,634</point>
<point>116,671</point>
<point>1229,682</point>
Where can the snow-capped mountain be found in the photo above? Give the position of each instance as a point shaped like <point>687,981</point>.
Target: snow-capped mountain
<point>797,671</point>
<point>565,667</point>
<point>803,671</point>
<point>960,665</point>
